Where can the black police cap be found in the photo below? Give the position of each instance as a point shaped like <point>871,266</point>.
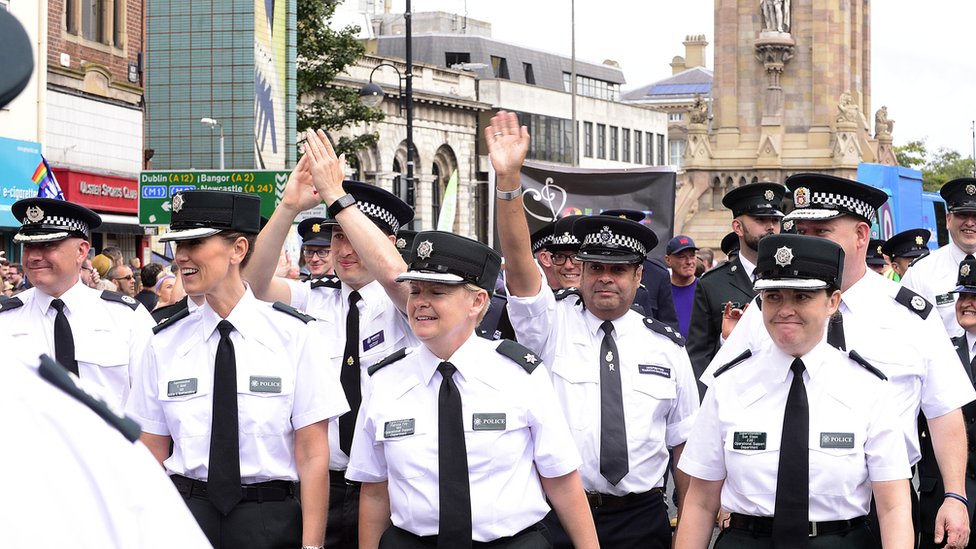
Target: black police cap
<point>542,238</point>
<point>384,208</point>
<point>910,243</point>
<point>966,280</point>
<point>404,243</point>
<point>756,199</point>
<point>605,239</point>
<point>730,243</point>
<point>447,258</point>
<point>315,232</point>
<point>49,220</point>
<point>798,262</point>
<point>960,194</point>
<point>875,255</point>
<point>199,214</point>
<point>563,239</point>
<point>818,196</point>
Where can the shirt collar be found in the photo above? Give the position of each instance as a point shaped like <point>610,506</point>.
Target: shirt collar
<point>367,294</point>
<point>72,298</point>
<point>956,253</point>
<point>747,266</point>
<point>812,361</point>
<point>859,294</point>
<point>240,317</point>
<point>464,357</point>
<point>593,325</point>
<point>971,341</point>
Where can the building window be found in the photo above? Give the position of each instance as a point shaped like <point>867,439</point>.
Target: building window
<point>649,149</point>
<point>529,74</point>
<point>435,195</point>
<point>625,145</point>
<point>453,58</point>
<point>499,66</point>
<point>637,146</point>
<point>660,149</point>
<point>614,142</point>
<point>674,117</point>
<point>93,20</point>
<point>588,139</point>
<point>591,87</point>
<point>601,141</point>
<point>677,150</point>
<point>551,138</point>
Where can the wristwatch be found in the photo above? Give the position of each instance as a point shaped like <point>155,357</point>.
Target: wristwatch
<point>340,204</point>
<point>508,195</point>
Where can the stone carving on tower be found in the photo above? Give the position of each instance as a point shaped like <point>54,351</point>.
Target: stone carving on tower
<point>776,15</point>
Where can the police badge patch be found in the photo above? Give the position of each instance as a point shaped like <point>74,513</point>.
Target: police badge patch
<point>783,257</point>
<point>801,197</point>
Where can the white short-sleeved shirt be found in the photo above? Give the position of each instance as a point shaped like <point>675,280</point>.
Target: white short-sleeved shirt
<point>854,434</point>
<point>933,277</point>
<point>397,434</point>
<point>282,386</point>
<point>110,337</point>
<point>916,354</point>
<point>660,396</point>
<point>70,464</point>
<point>383,329</point>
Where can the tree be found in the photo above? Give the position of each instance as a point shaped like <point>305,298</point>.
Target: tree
<point>912,154</point>
<point>945,166</point>
<point>323,53</point>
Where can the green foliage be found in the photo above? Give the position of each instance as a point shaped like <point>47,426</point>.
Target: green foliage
<point>912,154</point>
<point>323,53</point>
<point>937,168</point>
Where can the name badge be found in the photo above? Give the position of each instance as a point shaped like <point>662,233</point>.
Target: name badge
<point>263,384</point>
<point>373,340</point>
<point>398,428</point>
<point>836,440</point>
<point>488,422</point>
<point>654,369</point>
<point>945,299</point>
<point>181,387</point>
<point>749,440</point>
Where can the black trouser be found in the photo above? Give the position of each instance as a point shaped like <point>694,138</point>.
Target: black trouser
<point>533,537</point>
<point>858,537</point>
<point>269,517</point>
<point>342,530</point>
<point>640,524</point>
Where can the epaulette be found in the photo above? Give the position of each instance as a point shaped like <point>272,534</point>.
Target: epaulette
<point>179,315</point>
<point>638,308</point>
<point>715,269</point>
<point>520,354</point>
<point>56,375</point>
<point>563,293</point>
<point>917,259</point>
<point>665,330</point>
<point>10,303</point>
<point>161,314</point>
<point>288,309</point>
<point>867,365</point>
<point>327,282</point>
<point>914,302</point>
<point>732,363</point>
<point>129,301</point>
<point>400,353</point>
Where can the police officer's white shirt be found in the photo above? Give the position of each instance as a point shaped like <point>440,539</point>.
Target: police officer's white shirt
<point>382,330</point>
<point>397,434</point>
<point>174,397</point>
<point>110,338</point>
<point>933,277</point>
<point>854,435</point>
<point>103,490</point>
<point>748,266</point>
<point>659,409</point>
<point>916,355</point>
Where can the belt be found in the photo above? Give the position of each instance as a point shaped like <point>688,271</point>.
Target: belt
<point>763,526</point>
<point>596,499</point>
<point>273,490</point>
<point>338,478</point>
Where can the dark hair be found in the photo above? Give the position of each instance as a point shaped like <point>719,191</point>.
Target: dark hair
<point>149,274</point>
<point>232,236</point>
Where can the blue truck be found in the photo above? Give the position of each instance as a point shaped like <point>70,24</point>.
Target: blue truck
<point>908,206</point>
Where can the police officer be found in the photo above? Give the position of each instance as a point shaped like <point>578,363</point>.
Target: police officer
<point>351,307</point>
<point>794,437</point>
<point>756,215</point>
<point>237,389</point>
<point>876,257</point>
<point>624,381</point>
<point>316,246</point>
<point>905,248</point>
<point>935,275</point>
<point>888,324</point>
<point>477,419</point>
<point>931,489</point>
<point>100,335</point>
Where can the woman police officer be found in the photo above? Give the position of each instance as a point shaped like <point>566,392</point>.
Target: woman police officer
<point>794,437</point>
<point>235,387</point>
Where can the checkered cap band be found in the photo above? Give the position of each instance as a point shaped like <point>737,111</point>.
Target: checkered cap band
<point>378,212</point>
<point>847,204</point>
<point>564,239</point>
<point>614,241</point>
<point>60,222</point>
<point>542,243</point>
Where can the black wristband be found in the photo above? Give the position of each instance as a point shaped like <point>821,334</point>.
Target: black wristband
<point>340,204</point>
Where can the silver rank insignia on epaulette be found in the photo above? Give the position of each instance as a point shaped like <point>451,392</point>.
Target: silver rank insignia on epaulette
<point>531,358</point>
<point>918,303</point>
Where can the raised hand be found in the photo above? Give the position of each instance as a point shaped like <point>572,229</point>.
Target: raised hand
<point>508,143</point>
<point>299,193</point>
<point>327,169</point>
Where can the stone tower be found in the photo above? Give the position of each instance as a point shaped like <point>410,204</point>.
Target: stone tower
<point>791,91</point>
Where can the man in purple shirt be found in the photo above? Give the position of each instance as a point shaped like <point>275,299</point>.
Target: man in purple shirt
<point>681,258</point>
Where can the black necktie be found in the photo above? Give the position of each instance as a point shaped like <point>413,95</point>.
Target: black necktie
<point>792,513</point>
<point>835,331</point>
<point>350,375</point>
<point>613,431</point>
<point>224,481</point>
<point>64,341</point>
<point>969,257</point>
<point>452,460</point>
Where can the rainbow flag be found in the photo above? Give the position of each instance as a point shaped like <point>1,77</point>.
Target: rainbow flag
<point>48,186</point>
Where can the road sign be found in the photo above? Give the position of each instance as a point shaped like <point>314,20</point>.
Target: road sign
<point>156,189</point>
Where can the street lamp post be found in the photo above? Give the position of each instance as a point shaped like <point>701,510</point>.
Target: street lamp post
<point>213,123</point>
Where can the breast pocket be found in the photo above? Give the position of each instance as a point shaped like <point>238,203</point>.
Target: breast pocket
<point>752,460</point>
<point>265,397</point>
<point>578,387</point>
<point>104,356</point>
<point>409,444</point>
<point>496,437</point>
<point>188,412</point>
<point>837,462</point>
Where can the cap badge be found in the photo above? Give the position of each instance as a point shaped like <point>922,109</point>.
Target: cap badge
<point>879,251</point>
<point>768,195</point>
<point>316,228</point>
<point>788,225</point>
<point>919,241</point>
<point>178,201</point>
<point>401,243</point>
<point>784,256</point>
<point>425,249</point>
<point>35,214</point>
<point>970,189</point>
<point>918,303</point>
<point>801,197</point>
<point>964,270</point>
<point>605,234</point>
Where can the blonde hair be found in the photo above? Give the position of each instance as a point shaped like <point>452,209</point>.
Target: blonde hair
<point>475,289</point>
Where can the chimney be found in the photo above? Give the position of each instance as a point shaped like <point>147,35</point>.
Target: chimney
<point>677,64</point>
<point>695,45</point>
